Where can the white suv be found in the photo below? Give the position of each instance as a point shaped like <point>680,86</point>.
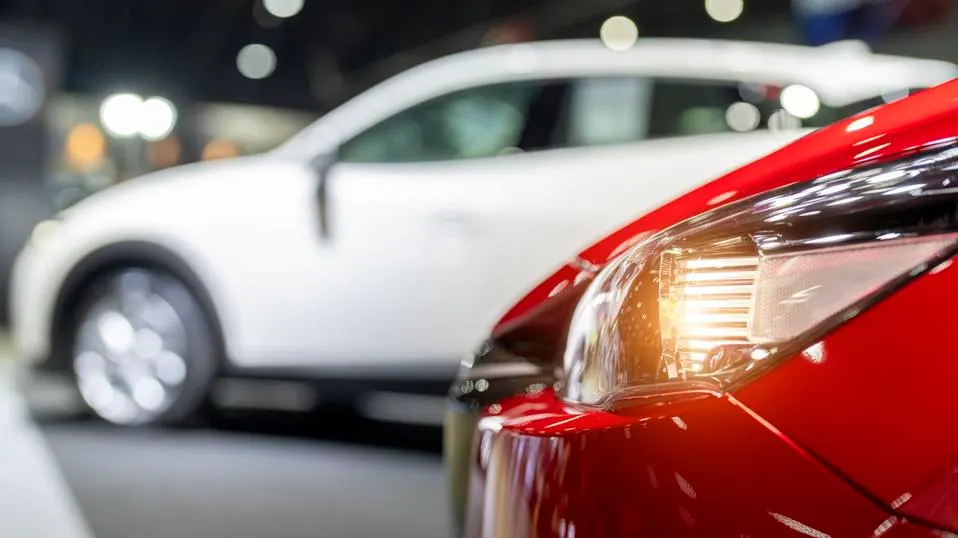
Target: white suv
<point>380,243</point>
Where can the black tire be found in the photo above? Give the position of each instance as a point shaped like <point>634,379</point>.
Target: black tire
<point>197,345</point>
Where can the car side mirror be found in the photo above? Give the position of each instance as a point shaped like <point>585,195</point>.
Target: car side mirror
<point>322,164</point>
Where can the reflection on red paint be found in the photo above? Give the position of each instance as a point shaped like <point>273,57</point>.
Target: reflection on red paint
<point>850,438</point>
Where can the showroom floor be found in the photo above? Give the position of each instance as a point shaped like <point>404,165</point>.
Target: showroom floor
<point>241,477</point>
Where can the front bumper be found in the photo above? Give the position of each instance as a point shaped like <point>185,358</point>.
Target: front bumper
<point>32,294</point>
<point>707,468</point>
<point>859,438</point>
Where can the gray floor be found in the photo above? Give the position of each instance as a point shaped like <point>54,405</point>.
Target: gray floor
<point>267,477</point>
<point>209,484</point>
<point>35,501</point>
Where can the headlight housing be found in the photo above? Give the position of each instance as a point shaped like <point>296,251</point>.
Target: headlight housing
<point>712,302</point>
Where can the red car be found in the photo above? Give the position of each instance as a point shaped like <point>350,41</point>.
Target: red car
<point>772,354</point>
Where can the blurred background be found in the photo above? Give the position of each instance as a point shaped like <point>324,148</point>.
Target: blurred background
<point>95,92</point>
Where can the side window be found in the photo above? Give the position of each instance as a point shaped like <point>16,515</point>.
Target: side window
<point>691,107</point>
<point>478,122</point>
<point>682,108</point>
<point>609,110</point>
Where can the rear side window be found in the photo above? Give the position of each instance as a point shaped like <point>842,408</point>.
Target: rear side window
<point>693,107</point>
<point>681,108</point>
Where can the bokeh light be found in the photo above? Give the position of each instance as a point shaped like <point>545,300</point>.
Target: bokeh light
<point>619,33</point>
<point>85,146</point>
<point>256,61</point>
<point>724,10</point>
<point>800,101</point>
<point>126,115</point>
<point>164,153</point>
<point>219,149</point>
<point>157,118</point>
<point>742,116</point>
<point>120,114</point>
<point>283,9</point>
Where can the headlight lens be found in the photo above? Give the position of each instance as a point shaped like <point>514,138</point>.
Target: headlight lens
<point>717,299</point>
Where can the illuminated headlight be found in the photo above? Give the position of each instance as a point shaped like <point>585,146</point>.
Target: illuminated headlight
<point>704,303</point>
<point>716,300</point>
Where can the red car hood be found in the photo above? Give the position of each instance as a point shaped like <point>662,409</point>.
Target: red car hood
<point>919,122</point>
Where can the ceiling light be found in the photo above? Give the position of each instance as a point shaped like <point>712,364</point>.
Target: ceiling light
<point>283,8</point>
<point>256,61</point>
<point>724,10</point>
<point>120,114</point>
<point>157,118</point>
<point>742,116</point>
<point>619,33</point>
<point>800,101</point>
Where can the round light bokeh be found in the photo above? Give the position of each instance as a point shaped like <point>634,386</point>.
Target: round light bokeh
<point>724,10</point>
<point>800,101</point>
<point>157,118</point>
<point>126,115</point>
<point>619,33</point>
<point>256,61</point>
<point>742,116</point>
<point>120,114</point>
<point>283,9</point>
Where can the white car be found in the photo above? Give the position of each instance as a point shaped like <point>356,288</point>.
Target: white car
<point>381,242</point>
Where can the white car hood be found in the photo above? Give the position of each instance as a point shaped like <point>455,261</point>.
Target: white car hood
<point>194,187</point>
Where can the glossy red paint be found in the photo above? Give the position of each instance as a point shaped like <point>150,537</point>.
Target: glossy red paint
<point>921,121</point>
<point>897,528</point>
<point>703,468</point>
<point>547,467</point>
<point>858,440</point>
<point>563,278</point>
<point>878,405</point>
<point>936,502</point>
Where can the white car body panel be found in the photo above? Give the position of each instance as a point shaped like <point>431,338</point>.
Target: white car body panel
<point>421,258</point>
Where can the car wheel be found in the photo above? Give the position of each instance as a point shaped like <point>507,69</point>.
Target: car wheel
<point>143,350</point>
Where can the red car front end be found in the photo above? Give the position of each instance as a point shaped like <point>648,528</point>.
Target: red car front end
<point>769,355</point>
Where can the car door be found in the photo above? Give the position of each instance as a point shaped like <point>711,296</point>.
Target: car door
<point>448,212</point>
<point>408,204</point>
<point>441,216</point>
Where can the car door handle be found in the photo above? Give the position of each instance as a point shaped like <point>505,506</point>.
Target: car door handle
<point>458,222</point>
<point>452,217</point>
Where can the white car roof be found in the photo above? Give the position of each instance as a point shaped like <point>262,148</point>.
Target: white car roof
<point>840,73</point>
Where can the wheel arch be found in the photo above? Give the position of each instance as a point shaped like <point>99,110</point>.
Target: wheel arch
<point>128,254</point>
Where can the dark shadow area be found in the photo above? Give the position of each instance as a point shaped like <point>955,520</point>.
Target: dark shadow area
<point>335,425</point>
<point>328,425</point>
